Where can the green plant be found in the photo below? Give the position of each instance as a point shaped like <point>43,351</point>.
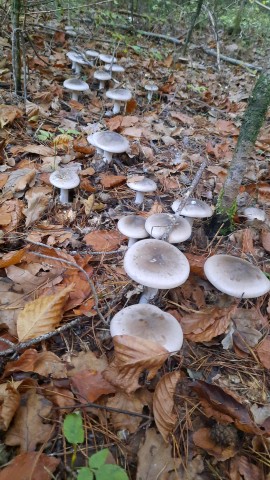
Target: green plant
<point>74,432</point>
<point>227,214</point>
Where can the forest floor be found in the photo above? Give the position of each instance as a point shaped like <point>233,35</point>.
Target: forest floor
<point>201,414</point>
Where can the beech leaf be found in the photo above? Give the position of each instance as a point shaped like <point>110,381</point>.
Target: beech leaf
<point>163,403</point>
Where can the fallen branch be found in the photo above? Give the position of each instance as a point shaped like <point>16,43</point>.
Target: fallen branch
<point>262,5</point>
<point>233,61</point>
<point>143,32</point>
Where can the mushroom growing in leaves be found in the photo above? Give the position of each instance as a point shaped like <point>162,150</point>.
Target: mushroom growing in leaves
<point>114,68</point>
<point>77,61</point>
<point>109,143</point>
<point>193,208</point>
<point>133,227</point>
<point>66,179</point>
<point>119,95</point>
<point>75,85</point>
<point>92,54</point>
<point>158,224</point>
<point>141,185</point>
<point>253,213</point>
<point>148,322</point>
<point>236,277</point>
<point>155,264</point>
<point>91,140</point>
<point>105,58</point>
<point>150,88</point>
<point>102,76</point>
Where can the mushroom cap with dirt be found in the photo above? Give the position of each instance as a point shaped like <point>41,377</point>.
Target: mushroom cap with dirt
<point>236,277</point>
<point>148,322</point>
<point>158,224</point>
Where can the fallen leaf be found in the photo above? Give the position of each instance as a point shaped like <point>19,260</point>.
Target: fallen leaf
<point>202,438</point>
<point>134,403</point>
<point>42,315</point>
<point>30,465</point>
<point>265,238</point>
<point>133,356</point>
<point>226,127</point>
<point>9,113</point>
<point>242,468</point>
<point>186,119</point>
<point>163,403</point>
<point>43,363</point>
<point>19,179</point>
<point>110,181</point>
<point>104,240</point>
<point>85,361</point>
<point>37,205</point>
<point>88,204</point>
<point>263,352</point>
<point>42,150</point>
<point>89,385</point>
<point>12,258</point>
<point>9,403</point>
<point>206,324</point>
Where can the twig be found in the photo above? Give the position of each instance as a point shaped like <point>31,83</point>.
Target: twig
<point>74,265</point>
<point>24,69</point>
<point>262,5</point>
<point>233,61</point>
<point>214,25</point>
<point>41,338</point>
<point>185,198</point>
<point>142,32</point>
<point>34,48</point>
<point>104,407</point>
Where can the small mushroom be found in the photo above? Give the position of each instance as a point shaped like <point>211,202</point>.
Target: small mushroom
<point>193,208</point>
<point>155,264</point>
<point>102,76</point>
<point>65,179</point>
<point>159,223</point>
<point>253,213</point>
<point>150,88</point>
<point>75,85</point>
<point>141,185</point>
<point>236,277</point>
<point>77,61</point>
<point>119,95</point>
<point>110,142</point>
<point>132,226</point>
<point>114,68</point>
<point>103,57</point>
<point>149,322</point>
<point>92,54</point>
<point>91,140</point>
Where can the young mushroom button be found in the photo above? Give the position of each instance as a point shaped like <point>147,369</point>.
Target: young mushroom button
<point>193,208</point>
<point>132,226</point>
<point>149,322</point>
<point>119,95</point>
<point>141,185</point>
<point>150,88</point>
<point>158,224</point>
<point>65,179</point>
<point>236,277</point>
<point>75,85</point>
<point>155,265</point>
<point>111,142</point>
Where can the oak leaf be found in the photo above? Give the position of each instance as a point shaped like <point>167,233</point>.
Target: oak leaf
<point>163,403</point>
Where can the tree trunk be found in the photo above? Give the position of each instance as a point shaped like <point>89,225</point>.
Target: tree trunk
<point>189,34</point>
<point>237,21</point>
<point>16,47</point>
<point>254,117</point>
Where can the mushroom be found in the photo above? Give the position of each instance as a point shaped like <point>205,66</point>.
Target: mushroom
<point>115,68</point>
<point>193,208</point>
<point>149,322</point>
<point>132,226</point>
<point>65,179</point>
<point>150,88</point>
<point>141,185</point>
<point>91,140</point>
<point>75,85</point>
<point>119,95</point>
<point>102,76</point>
<point>92,54</point>
<point>77,61</point>
<point>159,223</point>
<point>253,213</point>
<point>107,58</point>
<point>155,264</point>
<point>110,142</point>
<point>235,276</point>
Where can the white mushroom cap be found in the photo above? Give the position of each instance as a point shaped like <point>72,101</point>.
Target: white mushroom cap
<point>92,53</point>
<point>111,142</point>
<point>74,57</point>
<point>151,87</point>
<point>76,85</point>
<point>194,208</point>
<point>143,184</point>
<point>102,75</point>
<point>253,213</point>
<point>114,67</point>
<point>132,226</point>
<point>107,58</point>
<point>149,322</point>
<point>156,264</point>
<point>157,225</point>
<point>235,276</point>
<point>66,178</point>
<point>69,27</point>
<point>120,94</point>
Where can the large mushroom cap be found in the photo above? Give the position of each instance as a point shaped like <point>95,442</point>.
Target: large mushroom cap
<point>102,75</point>
<point>132,226</point>
<point>114,67</point>
<point>111,142</point>
<point>142,184</point>
<point>120,94</point>
<point>107,58</point>
<point>235,276</point>
<point>159,223</point>
<point>91,139</point>
<point>253,213</point>
<point>76,57</point>
<point>156,264</point>
<point>193,208</point>
<point>76,85</point>
<point>66,178</point>
<point>149,322</point>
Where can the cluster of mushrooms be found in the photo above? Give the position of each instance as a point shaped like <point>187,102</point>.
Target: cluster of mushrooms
<point>150,260</point>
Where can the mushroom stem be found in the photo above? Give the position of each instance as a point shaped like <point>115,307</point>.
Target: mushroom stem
<point>139,198</point>
<point>99,151</point>
<point>75,96</point>
<point>131,241</point>
<point>64,195</point>
<point>107,156</point>
<point>73,66</point>
<point>101,84</point>
<point>116,107</point>
<point>148,294</point>
<point>77,68</point>
<point>149,96</point>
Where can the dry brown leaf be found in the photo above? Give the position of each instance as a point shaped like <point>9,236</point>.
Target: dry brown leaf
<point>19,179</point>
<point>110,181</point>
<point>133,356</point>
<point>206,325</point>
<point>30,465</point>
<point>61,397</point>
<point>37,205</point>
<point>88,204</point>
<point>11,209</point>
<point>104,240</point>
<point>89,385</point>
<point>8,113</point>
<point>42,150</point>
<point>202,438</point>
<point>186,119</point>
<point>133,403</point>
<point>78,362</point>
<point>12,258</point>
<point>44,363</point>
<point>265,237</point>
<point>242,468</point>
<point>263,352</point>
<point>163,403</point>
<point>42,315</point>
<point>9,403</point>
<point>28,429</point>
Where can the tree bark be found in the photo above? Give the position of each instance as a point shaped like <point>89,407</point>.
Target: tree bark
<point>254,117</point>
<point>16,47</point>
<point>189,34</point>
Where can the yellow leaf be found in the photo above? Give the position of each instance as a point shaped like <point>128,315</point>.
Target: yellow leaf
<point>88,204</point>
<point>42,315</point>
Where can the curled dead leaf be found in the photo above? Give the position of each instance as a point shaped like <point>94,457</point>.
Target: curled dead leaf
<point>203,439</point>
<point>163,403</point>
